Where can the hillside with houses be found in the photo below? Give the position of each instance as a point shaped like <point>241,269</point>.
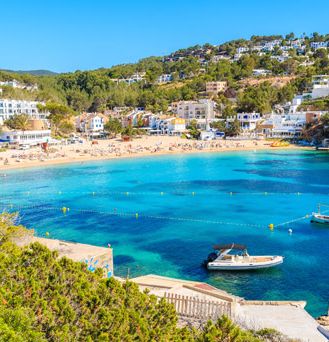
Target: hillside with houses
<point>264,87</point>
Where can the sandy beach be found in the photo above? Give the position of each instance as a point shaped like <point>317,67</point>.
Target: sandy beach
<point>115,148</point>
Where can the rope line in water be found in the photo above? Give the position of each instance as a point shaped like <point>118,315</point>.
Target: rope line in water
<point>136,215</point>
<point>154,193</point>
<point>298,219</point>
<point>132,215</point>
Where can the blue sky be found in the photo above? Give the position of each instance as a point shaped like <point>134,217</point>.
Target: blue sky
<point>68,35</point>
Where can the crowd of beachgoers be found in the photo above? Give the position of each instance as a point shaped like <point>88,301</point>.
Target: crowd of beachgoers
<point>115,148</point>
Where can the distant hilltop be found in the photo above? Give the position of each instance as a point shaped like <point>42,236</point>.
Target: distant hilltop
<point>40,72</point>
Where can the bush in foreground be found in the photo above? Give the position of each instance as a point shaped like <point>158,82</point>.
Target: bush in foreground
<point>44,298</point>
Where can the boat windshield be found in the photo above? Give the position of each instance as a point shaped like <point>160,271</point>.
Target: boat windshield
<point>234,252</point>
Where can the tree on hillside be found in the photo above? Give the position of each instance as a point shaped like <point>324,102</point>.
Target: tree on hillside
<point>193,129</point>
<point>260,98</point>
<point>325,119</point>
<point>113,126</point>
<point>18,122</point>
<point>219,125</point>
<point>59,117</point>
<point>129,131</point>
<point>234,128</point>
<point>247,64</point>
<point>78,100</point>
<point>290,36</point>
<point>229,111</point>
<point>9,230</point>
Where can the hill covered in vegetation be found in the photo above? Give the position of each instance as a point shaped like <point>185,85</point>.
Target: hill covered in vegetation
<point>190,69</point>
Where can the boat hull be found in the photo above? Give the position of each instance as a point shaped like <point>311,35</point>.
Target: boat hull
<point>316,218</point>
<point>243,266</point>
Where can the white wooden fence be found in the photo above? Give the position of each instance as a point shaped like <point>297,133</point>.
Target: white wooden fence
<point>198,308</point>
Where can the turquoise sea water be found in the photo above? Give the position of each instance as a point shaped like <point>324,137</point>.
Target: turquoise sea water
<point>229,197</point>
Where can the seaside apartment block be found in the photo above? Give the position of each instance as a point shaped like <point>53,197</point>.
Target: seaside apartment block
<point>10,107</point>
<point>203,111</point>
<point>216,87</point>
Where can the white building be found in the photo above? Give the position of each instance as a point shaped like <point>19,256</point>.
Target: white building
<point>287,125</point>
<point>269,46</point>
<point>242,49</point>
<point>295,103</point>
<point>257,48</point>
<point>261,72</point>
<point>318,45</point>
<point>217,58</point>
<point>248,121</point>
<point>279,58</point>
<point>164,125</point>
<point>320,86</point>
<point>9,108</point>
<point>138,77</point>
<point>15,84</point>
<point>237,56</point>
<point>202,111</point>
<point>211,134</point>
<point>26,137</point>
<point>165,78</point>
<point>90,122</point>
<point>12,83</point>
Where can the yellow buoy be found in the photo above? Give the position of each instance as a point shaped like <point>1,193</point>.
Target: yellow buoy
<point>47,233</point>
<point>64,210</point>
<point>271,226</point>
<point>137,215</point>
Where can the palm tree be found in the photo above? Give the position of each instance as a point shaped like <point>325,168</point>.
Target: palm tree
<point>19,122</point>
<point>22,122</point>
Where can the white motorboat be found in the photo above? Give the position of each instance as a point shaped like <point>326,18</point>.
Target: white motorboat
<point>320,217</point>
<point>221,260</point>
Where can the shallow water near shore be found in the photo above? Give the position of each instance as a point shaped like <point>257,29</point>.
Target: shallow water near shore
<point>162,215</point>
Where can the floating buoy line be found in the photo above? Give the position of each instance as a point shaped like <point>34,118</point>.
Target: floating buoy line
<point>59,193</point>
<point>136,215</point>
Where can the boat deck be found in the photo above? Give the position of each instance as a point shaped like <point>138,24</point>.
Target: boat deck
<point>246,259</point>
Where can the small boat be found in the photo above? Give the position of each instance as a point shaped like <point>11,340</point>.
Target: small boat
<point>320,217</point>
<point>221,260</point>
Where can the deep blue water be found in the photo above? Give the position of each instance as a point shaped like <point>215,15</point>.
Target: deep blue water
<point>229,197</point>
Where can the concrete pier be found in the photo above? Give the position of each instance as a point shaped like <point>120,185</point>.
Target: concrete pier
<point>76,251</point>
